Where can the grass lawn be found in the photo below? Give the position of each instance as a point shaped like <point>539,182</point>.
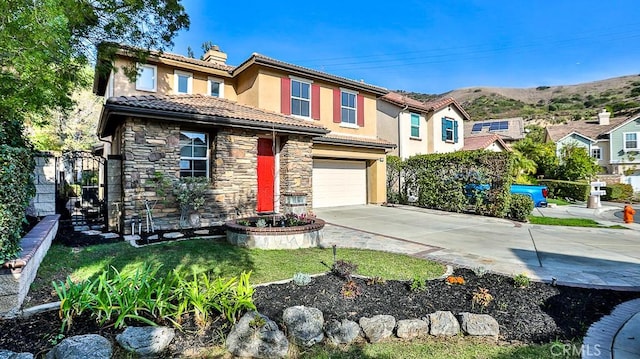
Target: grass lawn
<point>224,260</point>
<point>436,348</point>
<point>558,201</point>
<point>227,260</point>
<point>571,222</point>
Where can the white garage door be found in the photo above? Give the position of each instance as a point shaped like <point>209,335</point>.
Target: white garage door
<point>339,183</point>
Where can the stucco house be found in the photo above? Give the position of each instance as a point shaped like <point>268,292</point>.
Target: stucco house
<point>612,142</point>
<point>421,128</point>
<point>259,131</point>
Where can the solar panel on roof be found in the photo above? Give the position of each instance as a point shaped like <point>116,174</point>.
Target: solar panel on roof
<point>495,126</point>
<point>477,127</point>
<point>504,125</point>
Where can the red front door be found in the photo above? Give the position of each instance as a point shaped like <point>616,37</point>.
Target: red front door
<point>266,171</point>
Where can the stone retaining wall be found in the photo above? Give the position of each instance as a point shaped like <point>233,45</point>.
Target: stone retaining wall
<point>17,275</point>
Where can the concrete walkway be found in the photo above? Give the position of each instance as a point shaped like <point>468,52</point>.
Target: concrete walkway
<point>575,256</point>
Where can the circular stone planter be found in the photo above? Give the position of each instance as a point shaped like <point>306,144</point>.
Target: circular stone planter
<point>305,236</point>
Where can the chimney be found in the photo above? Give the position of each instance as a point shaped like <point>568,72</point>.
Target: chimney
<point>215,55</point>
<point>603,117</point>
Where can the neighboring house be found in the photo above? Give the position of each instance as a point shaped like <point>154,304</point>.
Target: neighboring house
<point>420,128</point>
<point>491,142</point>
<point>612,142</point>
<point>259,131</point>
<point>510,130</point>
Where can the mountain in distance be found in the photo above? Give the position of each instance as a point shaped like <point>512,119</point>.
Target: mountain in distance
<point>548,104</point>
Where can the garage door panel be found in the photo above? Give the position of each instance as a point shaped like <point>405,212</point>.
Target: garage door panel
<point>339,183</point>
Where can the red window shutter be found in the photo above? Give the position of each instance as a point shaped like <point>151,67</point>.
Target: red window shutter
<point>336,106</point>
<point>360,110</point>
<point>315,102</point>
<point>285,96</point>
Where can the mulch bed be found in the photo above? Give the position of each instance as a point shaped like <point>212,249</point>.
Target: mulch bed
<point>540,313</point>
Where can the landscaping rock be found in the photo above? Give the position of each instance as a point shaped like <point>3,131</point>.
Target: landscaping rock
<point>81,347</point>
<point>412,328</point>
<point>343,332</point>
<point>257,336</point>
<point>8,354</point>
<point>304,324</point>
<point>146,340</point>
<point>378,327</point>
<point>443,323</point>
<point>201,232</point>
<point>479,324</point>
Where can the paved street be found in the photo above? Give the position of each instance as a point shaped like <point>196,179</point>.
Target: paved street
<point>578,256</point>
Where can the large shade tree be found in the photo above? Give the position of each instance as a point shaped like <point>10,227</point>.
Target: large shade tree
<point>44,44</point>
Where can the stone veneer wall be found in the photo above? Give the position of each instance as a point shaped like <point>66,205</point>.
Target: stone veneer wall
<point>44,202</point>
<point>235,173</point>
<point>114,191</point>
<point>296,167</point>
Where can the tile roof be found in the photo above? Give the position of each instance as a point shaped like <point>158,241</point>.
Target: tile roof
<point>482,142</point>
<point>358,141</point>
<point>446,101</point>
<point>130,51</point>
<point>588,128</point>
<point>208,110</point>
<point>404,100</point>
<point>304,71</point>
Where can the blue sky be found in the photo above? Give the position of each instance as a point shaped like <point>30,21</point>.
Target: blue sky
<point>429,46</point>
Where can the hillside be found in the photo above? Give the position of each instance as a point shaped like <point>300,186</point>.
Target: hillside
<point>549,104</point>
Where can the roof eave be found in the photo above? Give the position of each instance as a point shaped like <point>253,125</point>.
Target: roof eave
<point>199,119</point>
<point>300,71</point>
<point>353,143</point>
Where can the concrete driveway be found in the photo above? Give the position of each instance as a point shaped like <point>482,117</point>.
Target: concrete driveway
<point>577,256</point>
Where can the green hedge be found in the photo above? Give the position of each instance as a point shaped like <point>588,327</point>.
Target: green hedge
<point>575,191</point>
<point>521,207</point>
<point>16,190</point>
<point>451,181</point>
<point>618,192</point>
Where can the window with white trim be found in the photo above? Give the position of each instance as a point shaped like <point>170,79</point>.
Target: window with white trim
<point>194,154</point>
<point>216,87</point>
<point>183,82</point>
<point>300,98</point>
<point>415,125</point>
<point>596,153</point>
<point>631,141</point>
<point>147,77</point>
<point>348,107</point>
<point>449,130</point>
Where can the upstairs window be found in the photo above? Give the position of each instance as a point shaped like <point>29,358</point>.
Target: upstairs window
<point>449,130</point>
<point>146,80</point>
<point>216,87</point>
<point>415,125</point>
<point>631,141</point>
<point>194,154</point>
<point>300,98</point>
<point>183,82</point>
<point>348,107</point>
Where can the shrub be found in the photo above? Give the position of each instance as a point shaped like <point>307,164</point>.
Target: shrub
<point>577,191</point>
<point>344,269</point>
<point>350,290</point>
<point>482,297</point>
<point>442,181</point>
<point>521,281</point>
<point>16,190</point>
<point>454,280</point>
<point>394,170</point>
<point>418,284</point>
<point>301,279</point>
<point>520,207</point>
<point>618,192</point>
